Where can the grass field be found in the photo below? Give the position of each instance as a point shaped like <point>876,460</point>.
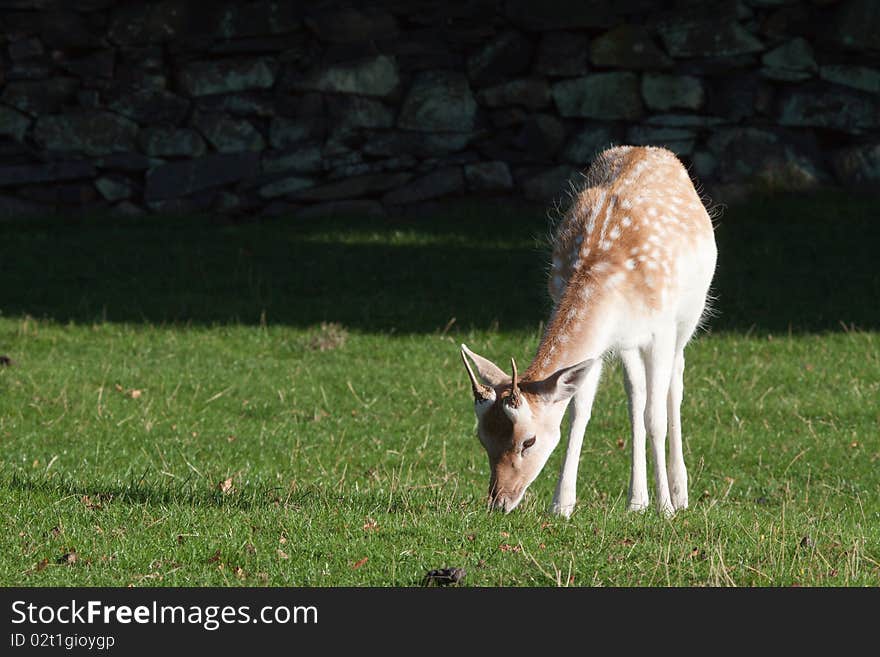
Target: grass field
<point>197,402</point>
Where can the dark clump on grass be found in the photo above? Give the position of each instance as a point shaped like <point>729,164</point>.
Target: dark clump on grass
<point>329,336</point>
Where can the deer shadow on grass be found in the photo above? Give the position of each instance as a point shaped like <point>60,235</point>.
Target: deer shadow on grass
<point>804,264</point>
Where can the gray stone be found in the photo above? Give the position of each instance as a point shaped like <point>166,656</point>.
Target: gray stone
<point>13,124</point>
<point>506,55</point>
<point>445,182</point>
<point>488,177</point>
<point>38,97</point>
<point>531,93</point>
<point>857,25</point>
<point>244,104</point>
<point>664,91</point>
<point>148,106</point>
<point>583,147</point>
<point>25,49</point>
<point>252,19</point>
<point>351,208</point>
<point>438,101</point>
<point>304,159</point>
<point>374,166</point>
<point>838,110</point>
<point>351,113</point>
<point>128,209</point>
<point>790,62</point>
<point>858,166</point>
<point>356,187</point>
<point>347,24</point>
<point>89,132</point>
<point>679,140</point>
<point>227,76</point>
<point>562,54</point>
<point>707,30</point>
<point>549,185</point>
<point>228,135</point>
<point>285,186</point>
<point>541,136</point>
<point>284,132</point>
<point>29,174</point>
<point>114,188</point>
<point>375,76</point>
<point>177,179</point>
<point>630,47</point>
<point>599,96</point>
<point>857,77</point>
<point>164,141</point>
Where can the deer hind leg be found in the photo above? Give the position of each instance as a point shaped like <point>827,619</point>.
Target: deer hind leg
<point>676,470</point>
<point>634,381</point>
<point>580,408</point>
<point>659,359</point>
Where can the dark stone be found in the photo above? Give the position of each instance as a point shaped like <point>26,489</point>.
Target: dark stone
<point>858,166</point>
<point>25,49</point>
<point>693,121</point>
<point>245,104</point>
<point>226,76</point>
<point>284,132</point>
<point>735,97</point>
<point>708,29</point>
<point>541,136</point>
<point>149,22</point>
<point>790,62</point>
<point>562,54</point>
<point>114,188</point>
<point>128,209</point>
<point>63,195</point>
<point>531,93</point>
<point>40,173</point>
<point>132,162</point>
<point>147,106</point>
<point>287,44</point>
<point>509,116</point>
<point>306,158</point>
<point>228,135</point>
<point>488,177</point>
<point>583,147</point>
<point>40,97</point>
<point>679,140</point>
<point>89,132</point>
<point>95,65</point>
<point>548,185</point>
<point>438,101</point>
<point>354,208</point>
<point>834,109</point>
<point>664,91</point>
<point>562,14</point>
<point>357,187</point>
<point>857,25</point>
<point>285,186</point>
<point>857,77</point>
<point>350,113</point>
<point>343,25</point>
<point>418,49</point>
<point>34,68</point>
<point>178,179</point>
<point>404,162</point>
<point>166,141</point>
<point>628,46</point>
<point>15,207</point>
<point>389,144</point>
<point>375,76</point>
<point>445,182</point>
<point>599,96</point>
<point>506,55</point>
<point>65,29</point>
<point>13,124</point>
<point>253,19</point>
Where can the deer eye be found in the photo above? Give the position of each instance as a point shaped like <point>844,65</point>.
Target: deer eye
<point>527,443</point>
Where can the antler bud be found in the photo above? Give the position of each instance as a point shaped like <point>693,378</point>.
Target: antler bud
<point>515,398</point>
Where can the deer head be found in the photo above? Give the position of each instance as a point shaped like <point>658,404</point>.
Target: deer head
<point>518,422</point>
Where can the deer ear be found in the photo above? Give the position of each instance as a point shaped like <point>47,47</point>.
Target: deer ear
<point>562,384</point>
<point>489,372</point>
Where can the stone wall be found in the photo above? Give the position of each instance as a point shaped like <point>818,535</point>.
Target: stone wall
<point>321,107</point>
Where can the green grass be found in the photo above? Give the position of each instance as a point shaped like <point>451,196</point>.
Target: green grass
<point>156,360</point>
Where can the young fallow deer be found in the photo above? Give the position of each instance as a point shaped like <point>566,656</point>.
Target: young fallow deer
<point>633,260</point>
